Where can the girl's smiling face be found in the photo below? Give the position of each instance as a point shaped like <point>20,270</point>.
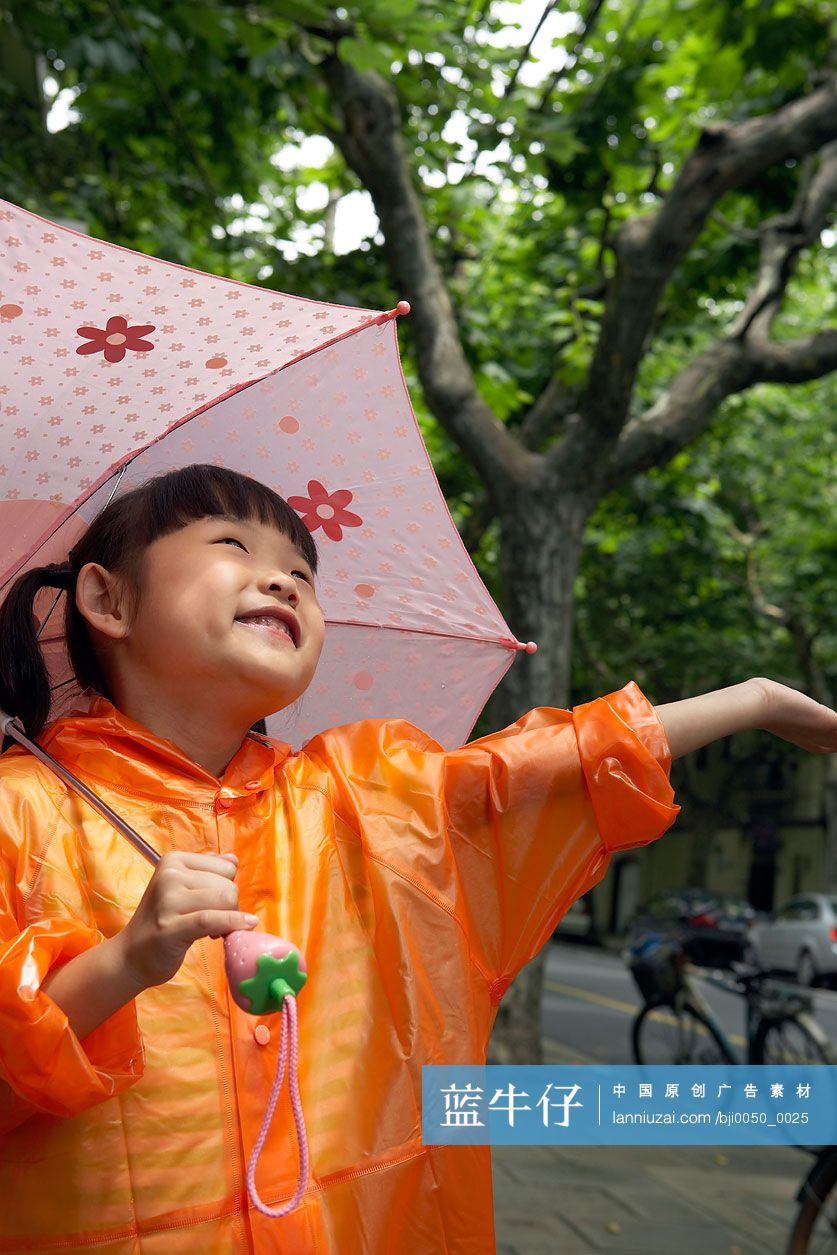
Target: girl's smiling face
<point>193,637</point>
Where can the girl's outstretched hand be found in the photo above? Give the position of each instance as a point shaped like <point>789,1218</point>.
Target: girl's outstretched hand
<point>794,717</point>
<point>190,895</point>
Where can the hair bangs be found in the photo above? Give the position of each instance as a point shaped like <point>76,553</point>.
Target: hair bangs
<point>199,491</point>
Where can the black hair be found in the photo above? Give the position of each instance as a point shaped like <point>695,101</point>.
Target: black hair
<point>117,539</point>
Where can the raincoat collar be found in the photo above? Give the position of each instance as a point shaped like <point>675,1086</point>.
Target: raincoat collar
<point>104,744</point>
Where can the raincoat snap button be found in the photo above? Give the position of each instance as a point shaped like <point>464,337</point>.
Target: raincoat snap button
<point>223,803</point>
<point>262,1034</point>
<point>253,784</point>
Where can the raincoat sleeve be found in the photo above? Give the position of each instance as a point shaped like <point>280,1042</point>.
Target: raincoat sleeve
<point>44,1067</point>
<point>511,829</point>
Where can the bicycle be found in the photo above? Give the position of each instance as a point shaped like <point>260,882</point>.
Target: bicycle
<point>814,1230</point>
<point>677,1024</point>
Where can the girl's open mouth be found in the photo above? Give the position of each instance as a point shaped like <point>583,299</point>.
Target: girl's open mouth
<point>270,626</point>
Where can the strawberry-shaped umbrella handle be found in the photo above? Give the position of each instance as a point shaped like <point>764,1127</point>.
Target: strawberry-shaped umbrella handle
<point>273,980</point>
<point>262,970</point>
<point>265,973</point>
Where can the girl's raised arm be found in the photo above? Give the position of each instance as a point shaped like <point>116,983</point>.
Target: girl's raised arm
<point>756,703</point>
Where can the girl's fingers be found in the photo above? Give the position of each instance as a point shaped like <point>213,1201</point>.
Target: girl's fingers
<point>220,864</point>
<point>208,883</point>
<point>208,923</point>
<point>209,896</point>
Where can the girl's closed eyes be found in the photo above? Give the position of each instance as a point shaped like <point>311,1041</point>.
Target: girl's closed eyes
<point>235,541</point>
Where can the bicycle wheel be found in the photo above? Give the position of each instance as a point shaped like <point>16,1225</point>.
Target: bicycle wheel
<point>790,1041</point>
<point>815,1228</point>
<point>677,1034</point>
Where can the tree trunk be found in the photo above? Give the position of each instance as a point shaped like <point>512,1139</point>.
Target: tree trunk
<point>540,545</point>
<point>540,548</point>
<point>830,817</point>
<point>704,825</point>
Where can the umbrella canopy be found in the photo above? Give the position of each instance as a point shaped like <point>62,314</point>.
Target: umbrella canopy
<point>117,366</point>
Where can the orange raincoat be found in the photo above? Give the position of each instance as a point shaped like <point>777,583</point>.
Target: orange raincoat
<point>416,881</point>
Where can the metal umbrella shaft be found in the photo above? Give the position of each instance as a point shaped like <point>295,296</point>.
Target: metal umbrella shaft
<point>11,726</point>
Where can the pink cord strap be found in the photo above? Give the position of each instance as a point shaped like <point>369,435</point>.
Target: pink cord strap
<point>288,1013</point>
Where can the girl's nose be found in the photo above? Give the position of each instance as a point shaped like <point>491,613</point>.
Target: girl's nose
<point>279,583</point>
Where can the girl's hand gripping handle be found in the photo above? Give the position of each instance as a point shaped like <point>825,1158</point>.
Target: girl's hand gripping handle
<point>189,896</point>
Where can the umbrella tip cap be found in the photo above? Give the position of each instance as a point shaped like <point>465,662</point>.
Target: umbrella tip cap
<point>530,647</point>
<point>402,308</point>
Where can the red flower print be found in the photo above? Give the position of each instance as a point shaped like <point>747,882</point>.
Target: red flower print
<point>326,510</point>
<point>116,338</point>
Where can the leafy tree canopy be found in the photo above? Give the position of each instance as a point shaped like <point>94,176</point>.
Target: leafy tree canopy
<point>526,172</point>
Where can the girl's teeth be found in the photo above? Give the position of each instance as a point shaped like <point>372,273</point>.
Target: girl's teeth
<point>269,621</point>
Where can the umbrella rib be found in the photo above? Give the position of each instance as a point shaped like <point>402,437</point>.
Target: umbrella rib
<point>49,615</point>
<point>505,641</point>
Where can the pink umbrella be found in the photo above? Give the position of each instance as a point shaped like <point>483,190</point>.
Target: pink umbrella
<point>117,366</point>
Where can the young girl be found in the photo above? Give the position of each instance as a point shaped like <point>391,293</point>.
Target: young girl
<point>417,883</point>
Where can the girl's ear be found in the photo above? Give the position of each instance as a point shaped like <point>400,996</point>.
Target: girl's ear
<point>101,600</point>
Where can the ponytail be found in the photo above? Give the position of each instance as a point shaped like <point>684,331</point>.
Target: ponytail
<point>24,679</point>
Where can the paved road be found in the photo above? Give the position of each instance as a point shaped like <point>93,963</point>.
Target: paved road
<point>668,1200</point>
<point>590,1000</point>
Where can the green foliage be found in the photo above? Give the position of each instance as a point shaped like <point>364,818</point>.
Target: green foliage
<point>181,109</point>
<point>675,568</point>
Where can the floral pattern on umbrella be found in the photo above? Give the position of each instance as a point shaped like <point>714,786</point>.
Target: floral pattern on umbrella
<point>307,397</point>
<point>326,510</point>
<point>116,338</point>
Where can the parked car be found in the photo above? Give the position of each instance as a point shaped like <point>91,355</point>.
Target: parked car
<point>800,938</point>
<point>713,927</point>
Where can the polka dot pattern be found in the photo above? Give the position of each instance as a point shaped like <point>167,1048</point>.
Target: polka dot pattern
<point>304,396</point>
<point>105,349</point>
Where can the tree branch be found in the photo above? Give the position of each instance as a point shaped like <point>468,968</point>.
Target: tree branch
<point>730,365</point>
<point>548,412</point>
<point>783,239</point>
<point>554,411</point>
<point>587,26</point>
<point>794,361</point>
<point>649,248</point>
<point>745,355</point>
<point>525,54</point>
<point>747,235</point>
<point>372,146</point>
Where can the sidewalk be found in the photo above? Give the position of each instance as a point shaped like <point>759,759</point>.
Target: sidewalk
<point>646,1200</point>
